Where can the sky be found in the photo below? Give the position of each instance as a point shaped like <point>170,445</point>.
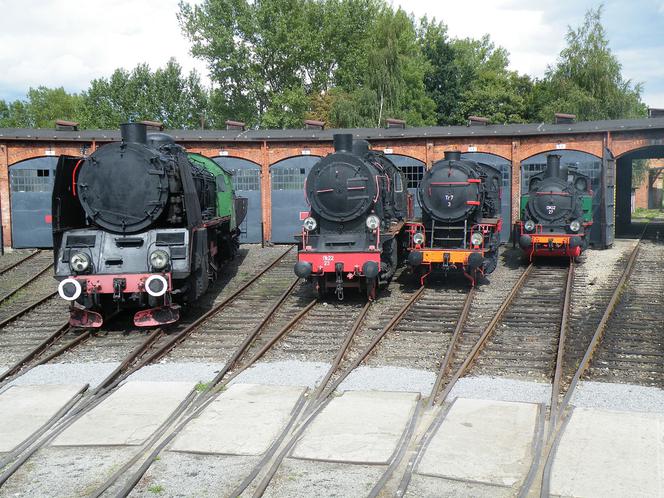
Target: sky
<point>70,42</point>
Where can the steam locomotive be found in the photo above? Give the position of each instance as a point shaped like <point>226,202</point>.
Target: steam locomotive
<point>140,224</point>
<point>359,202</point>
<point>556,213</point>
<point>461,220</point>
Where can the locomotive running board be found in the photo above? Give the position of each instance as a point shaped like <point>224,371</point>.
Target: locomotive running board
<point>153,317</point>
<point>85,318</point>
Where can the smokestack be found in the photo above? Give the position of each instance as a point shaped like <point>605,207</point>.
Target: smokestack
<point>360,147</point>
<point>343,142</point>
<point>452,155</point>
<point>134,132</point>
<point>553,166</point>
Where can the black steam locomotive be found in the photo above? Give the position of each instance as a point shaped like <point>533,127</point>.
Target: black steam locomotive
<point>359,202</point>
<point>556,213</point>
<point>141,224</point>
<point>461,220</point>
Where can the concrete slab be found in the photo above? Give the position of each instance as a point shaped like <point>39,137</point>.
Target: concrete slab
<point>244,420</point>
<point>128,416</point>
<point>358,427</point>
<point>607,453</point>
<point>482,441</point>
<point>24,409</point>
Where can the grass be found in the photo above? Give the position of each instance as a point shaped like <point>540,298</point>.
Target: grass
<point>648,214</point>
<point>156,489</point>
<point>201,386</point>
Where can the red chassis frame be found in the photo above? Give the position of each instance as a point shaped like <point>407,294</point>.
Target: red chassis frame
<point>552,244</point>
<point>457,258</point>
<point>134,283</point>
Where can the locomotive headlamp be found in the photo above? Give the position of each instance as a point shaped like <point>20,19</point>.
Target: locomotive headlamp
<point>373,222</point>
<point>529,225</point>
<point>575,226</point>
<point>418,238</point>
<point>79,262</point>
<point>310,224</point>
<point>159,259</point>
<point>476,239</point>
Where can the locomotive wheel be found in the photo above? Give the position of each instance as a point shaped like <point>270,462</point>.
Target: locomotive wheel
<point>320,287</point>
<point>491,262</point>
<point>372,288</point>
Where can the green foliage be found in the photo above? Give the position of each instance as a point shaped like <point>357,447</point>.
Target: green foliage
<point>40,109</point>
<point>349,63</point>
<point>587,79</point>
<point>276,62</point>
<point>156,489</point>
<point>165,95</point>
<point>639,171</point>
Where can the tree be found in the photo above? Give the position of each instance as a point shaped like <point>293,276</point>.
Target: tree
<point>587,78</point>
<point>392,84</point>
<point>165,95</point>
<point>272,60</point>
<point>442,81</point>
<point>40,109</point>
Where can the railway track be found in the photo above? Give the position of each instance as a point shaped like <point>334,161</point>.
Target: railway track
<point>610,347</point>
<point>524,344</point>
<point>21,275</point>
<point>15,258</point>
<point>632,349</point>
<point>150,348</point>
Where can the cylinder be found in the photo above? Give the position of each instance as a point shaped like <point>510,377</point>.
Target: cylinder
<point>452,155</point>
<point>343,142</point>
<point>553,166</point>
<point>360,147</point>
<point>134,132</point>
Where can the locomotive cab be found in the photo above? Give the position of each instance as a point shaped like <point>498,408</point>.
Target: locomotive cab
<point>358,202</point>
<point>460,223</point>
<point>556,213</point>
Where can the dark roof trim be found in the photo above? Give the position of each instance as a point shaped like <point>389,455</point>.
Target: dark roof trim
<point>301,135</point>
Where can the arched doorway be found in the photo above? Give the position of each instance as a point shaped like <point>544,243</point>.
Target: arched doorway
<point>31,186</point>
<point>288,201</point>
<point>505,168</point>
<point>414,170</point>
<point>247,183</point>
<point>585,163</point>
<point>627,185</point>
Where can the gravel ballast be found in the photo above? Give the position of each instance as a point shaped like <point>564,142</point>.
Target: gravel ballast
<point>67,373</point>
<point>621,397</point>
<point>284,373</point>
<point>389,379</point>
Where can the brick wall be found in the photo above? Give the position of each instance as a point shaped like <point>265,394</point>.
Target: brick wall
<point>425,149</point>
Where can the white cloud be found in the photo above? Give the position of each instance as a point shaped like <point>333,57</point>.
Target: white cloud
<point>531,40</point>
<point>70,42</point>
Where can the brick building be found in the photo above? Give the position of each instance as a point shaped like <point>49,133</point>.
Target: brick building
<point>272,163</point>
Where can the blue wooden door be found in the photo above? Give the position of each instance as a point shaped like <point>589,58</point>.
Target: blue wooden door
<point>247,183</point>
<point>288,200</point>
<point>31,184</point>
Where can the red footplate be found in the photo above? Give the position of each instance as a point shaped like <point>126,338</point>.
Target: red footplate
<point>85,318</point>
<point>157,316</point>
<point>326,262</point>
